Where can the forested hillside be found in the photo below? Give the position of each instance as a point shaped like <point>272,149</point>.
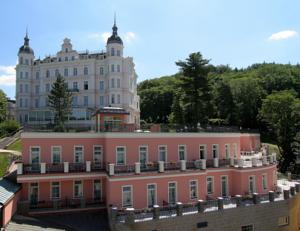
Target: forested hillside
<point>264,96</point>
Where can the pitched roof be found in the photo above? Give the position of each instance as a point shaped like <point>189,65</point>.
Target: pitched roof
<point>7,190</point>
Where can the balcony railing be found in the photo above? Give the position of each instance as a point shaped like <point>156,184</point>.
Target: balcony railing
<point>77,167</point>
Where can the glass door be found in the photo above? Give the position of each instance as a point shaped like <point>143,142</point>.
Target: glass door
<point>33,193</point>
<point>224,186</point>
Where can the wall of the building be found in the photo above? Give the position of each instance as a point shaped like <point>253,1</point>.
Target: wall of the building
<point>10,208</point>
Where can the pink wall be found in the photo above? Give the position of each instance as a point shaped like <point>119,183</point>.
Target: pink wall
<point>10,208</point>
<point>250,142</point>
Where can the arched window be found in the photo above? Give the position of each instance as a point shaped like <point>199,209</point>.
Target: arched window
<point>112,52</point>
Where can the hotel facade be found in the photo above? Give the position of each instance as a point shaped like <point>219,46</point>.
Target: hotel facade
<point>139,170</point>
<point>97,79</point>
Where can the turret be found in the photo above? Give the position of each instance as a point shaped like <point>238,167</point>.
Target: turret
<point>114,46</point>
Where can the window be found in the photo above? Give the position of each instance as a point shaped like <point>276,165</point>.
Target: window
<point>202,151</point>
<point>78,192</point>
<point>75,71</point>
<point>227,151</point>
<point>85,100</point>
<point>59,59</point>
<point>193,189</point>
<point>118,68</point>
<point>75,86</point>
<point>162,153</point>
<point>66,58</point>
<point>127,196</point>
<point>66,72</point>
<point>97,156</point>
<point>182,152</point>
<point>210,185</point>
<point>47,74</point>
<point>97,190</point>
<point>35,155</point>
<point>112,52</point>
<point>21,60</point>
<point>118,53</point>
<point>172,195</point>
<point>78,154</point>
<point>101,85</point>
<point>151,195</point>
<point>143,155</point>
<point>36,103</point>
<point>73,58</point>
<point>26,88</point>
<point>55,190</point>
<point>234,146</point>
<point>86,85</point>
<point>283,221</point>
<point>224,186</point>
<point>21,88</point>
<point>85,71</point>
<point>101,71</point>
<point>26,62</point>
<point>26,75</point>
<point>112,99</point>
<point>46,101</point>
<point>101,100</point>
<point>215,150</point>
<point>21,102</point>
<point>74,100</point>
<point>118,83</point>
<point>247,228</point>
<point>37,75</point>
<point>37,89</point>
<point>21,75</point>
<point>264,182</point>
<point>118,99</point>
<point>56,154</point>
<point>112,83</point>
<point>252,188</point>
<point>56,73</point>
<point>121,158</point>
<point>26,102</point>
<point>112,68</point>
<point>47,87</point>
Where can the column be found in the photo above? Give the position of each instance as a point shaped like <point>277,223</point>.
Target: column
<point>271,196</point>
<point>161,166</point>
<point>182,165</point>
<point>220,203</point>
<point>179,208</point>
<point>203,164</point>
<point>156,212</point>
<point>137,167</point>
<point>19,168</point>
<point>66,166</point>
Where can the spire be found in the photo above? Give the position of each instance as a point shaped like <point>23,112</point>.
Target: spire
<point>114,38</point>
<point>26,39</point>
<point>115,19</point>
<point>115,28</point>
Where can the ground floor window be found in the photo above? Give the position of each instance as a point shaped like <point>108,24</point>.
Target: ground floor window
<point>283,221</point>
<point>78,190</point>
<point>193,189</point>
<point>33,193</point>
<point>127,196</point>
<point>172,192</point>
<point>252,188</point>
<point>247,227</point>
<point>210,185</point>
<point>264,182</point>
<point>151,194</point>
<point>55,190</point>
<point>97,189</point>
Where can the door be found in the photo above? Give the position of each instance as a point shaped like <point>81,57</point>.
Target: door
<point>143,156</point>
<point>33,193</point>
<point>224,186</point>
<point>35,158</point>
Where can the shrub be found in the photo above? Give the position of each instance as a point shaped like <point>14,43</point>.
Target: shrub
<point>8,126</point>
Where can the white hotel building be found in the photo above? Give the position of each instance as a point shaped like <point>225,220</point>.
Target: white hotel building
<point>97,79</point>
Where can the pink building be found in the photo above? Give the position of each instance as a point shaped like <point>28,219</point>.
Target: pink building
<point>95,170</point>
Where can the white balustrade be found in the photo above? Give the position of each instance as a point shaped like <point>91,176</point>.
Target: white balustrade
<point>241,163</point>
<point>43,168</point>
<point>203,164</point>
<point>254,162</point>
<point>19,168</point>
<point>66,166</point>
<point>161,166</point>
<point>111,169</point>
<point>137,167</point>
<point>216,162</point>
<point>88,166</point>
<point>264,160</point>
<point>182,165</point>
<point>274,157</point>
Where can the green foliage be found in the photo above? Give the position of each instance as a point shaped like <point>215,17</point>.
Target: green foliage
<point>3,106</point>
<point>17,145</point>
<point>4,162</point>
<point>8,126</point>
<point>60,102</point>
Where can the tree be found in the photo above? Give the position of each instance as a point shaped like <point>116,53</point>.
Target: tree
<point>194,85</point>
<point>176,117</point>
<point>60,102</point>
<point>281,111</point>
<point>3,106</point>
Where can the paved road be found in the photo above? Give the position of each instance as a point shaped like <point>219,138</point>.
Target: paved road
<point>7,140</point>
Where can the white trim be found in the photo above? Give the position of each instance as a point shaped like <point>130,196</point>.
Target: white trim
<point>101,188</point>
<point>197,193</point>
<point>262,181</point>
<point>213,185</point>
<point>60,153</point>
<point>147,152</point>
<point>227,188</point>
<point>155,193</point>
<point>78,146</point>
<point>205,151</point>
<point>29,189</point>
<point>25,178</point>
<point>30,147</point>
<point>51,198</point>
<point>116,155</point>
<point>185,151</point>
<point>166,150</point>
<point>176,191</point>
<point>131,195</point>
<point>82,187</point>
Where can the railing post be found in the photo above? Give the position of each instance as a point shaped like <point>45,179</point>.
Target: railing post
<point>130,216</point>
<point>203,164</point>
<point>200,206</point>
<point>161,166</point>
<point>113,214</point>
<point>254,162</point>
<point>220,203</point>
<point>232,162</point>
<point>43,168</point>
<point>292,190</point>
<point>19,168</point>
<point>238,199</point>
<point>241,163</point>
<point>264,160</point>
<point>182,165</point>
<point>66,166</point>
<point>111,169</point>
<point>271,196</point>
<point>137,167</point>
<point>297,187</point>
<point>286,194</point>
<point>179,208</point>
<point>88,166</point>
<point>216,162</point>
<point>156,212</point>
<point>255,198</point>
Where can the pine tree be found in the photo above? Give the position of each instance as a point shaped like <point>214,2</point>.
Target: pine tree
<point>3,106</point>
<point>60,101</point>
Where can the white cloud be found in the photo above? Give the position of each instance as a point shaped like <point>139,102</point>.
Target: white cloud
<point>98,36</point>
<point>129,36</point>
<point>7,76</point>
<point>105,36</point>
<point>285,34</point>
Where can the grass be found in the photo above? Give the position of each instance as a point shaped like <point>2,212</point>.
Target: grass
<point>4,160</point>
<point>17,146</point>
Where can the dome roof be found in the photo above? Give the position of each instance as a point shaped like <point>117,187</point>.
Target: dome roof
<point>114,38</point>
<point>26,48</point>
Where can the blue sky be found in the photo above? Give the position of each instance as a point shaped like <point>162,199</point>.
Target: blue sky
<point>155,33</point>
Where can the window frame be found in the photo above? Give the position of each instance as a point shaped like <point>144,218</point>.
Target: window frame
<point>212,185</point>
<point>131,196</point>
<point>155,190</point>
<point>74,154</point>
<point>59,190</point>
<point>166,152</point>
<point>117,164</point>
<point>176,191</point>
<point>60,153</point>
<point>185,151</point>
<point>190,189</point>
<point>205,151</point>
